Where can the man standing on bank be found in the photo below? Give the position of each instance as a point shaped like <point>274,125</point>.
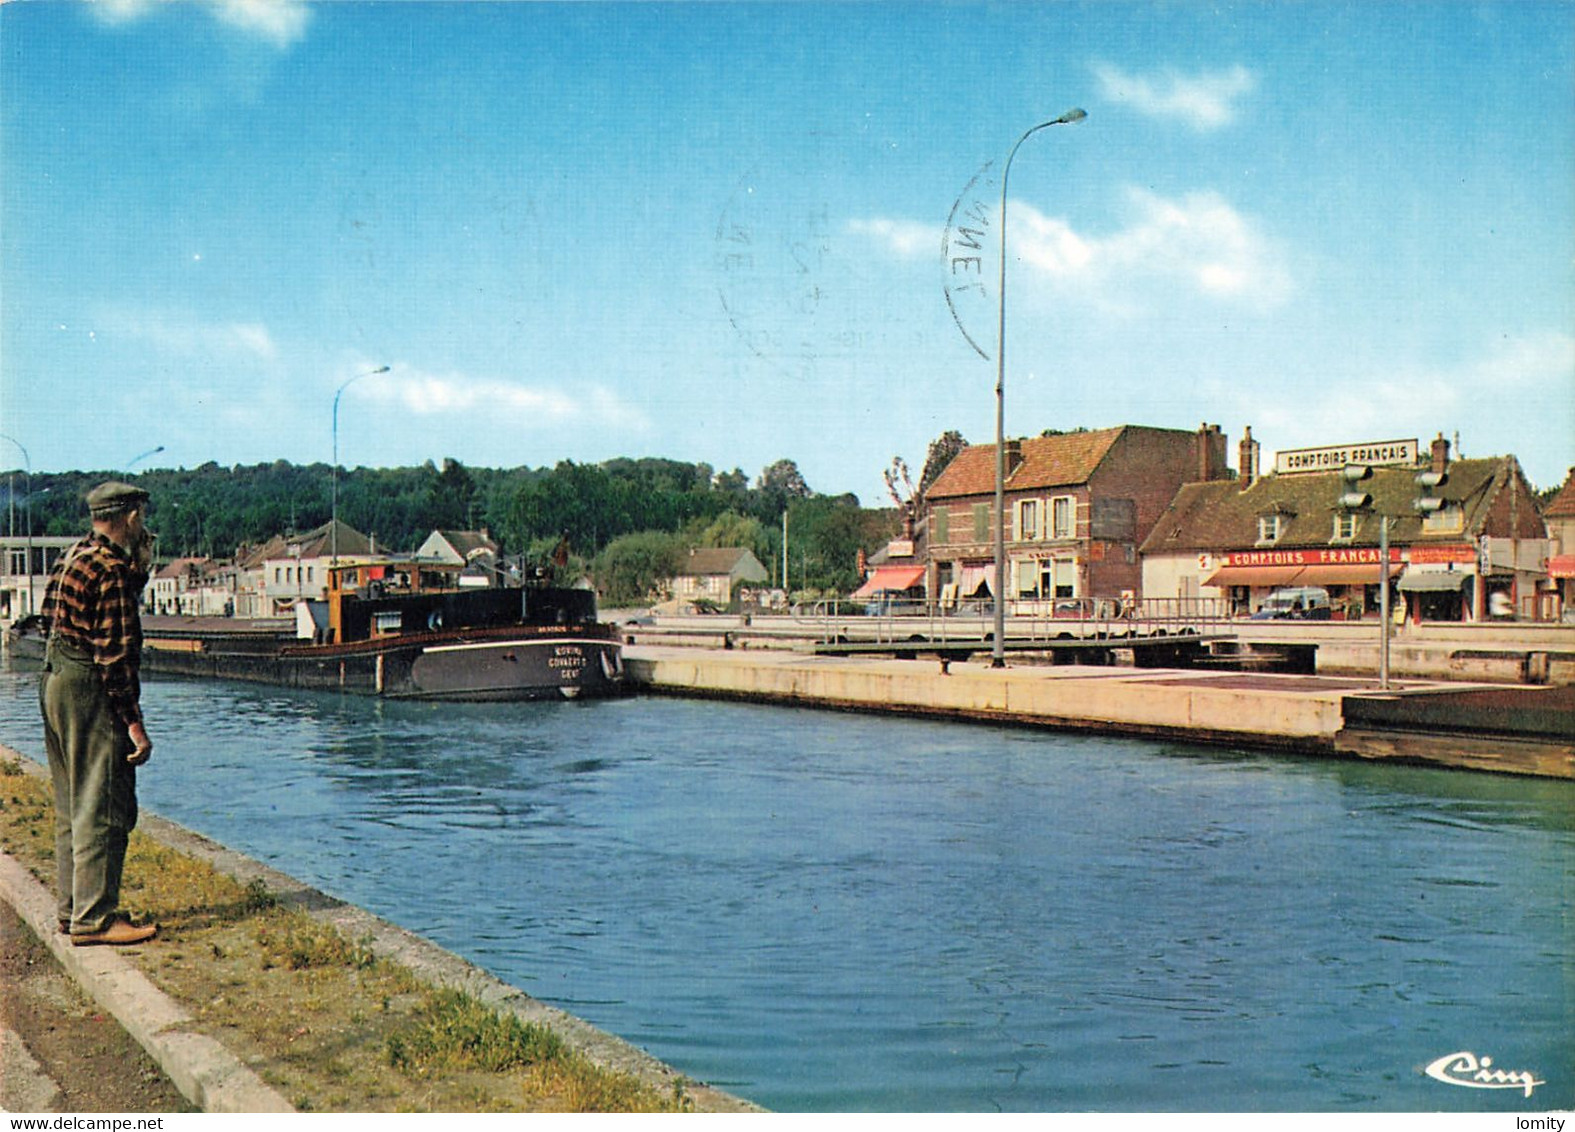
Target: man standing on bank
<point>93,729</point>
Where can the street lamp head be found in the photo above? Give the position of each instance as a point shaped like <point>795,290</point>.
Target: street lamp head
<point>1076,114</point>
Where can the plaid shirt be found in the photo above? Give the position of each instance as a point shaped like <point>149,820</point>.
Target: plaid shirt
<point>91,602</point>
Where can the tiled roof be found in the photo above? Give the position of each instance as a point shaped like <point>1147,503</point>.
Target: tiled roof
<point>1048,461</point>
<point>711,561</point>
<point>464,542</point>
<point>1221,515</point>
<point>316,543</point>
<point>1562,506</point>
<point>180,566</point>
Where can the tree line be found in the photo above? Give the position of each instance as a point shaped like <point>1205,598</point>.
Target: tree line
<point>628,522</point>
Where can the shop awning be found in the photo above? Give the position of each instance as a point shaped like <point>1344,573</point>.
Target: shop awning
<point>1254,575</point>
<point>973,577</point>
<point>1561,566</point>
<point>890,579</point>
<point>1433,582</point>
<point>1349,574</point>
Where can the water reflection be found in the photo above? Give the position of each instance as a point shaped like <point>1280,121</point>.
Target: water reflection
<point>830,911</point>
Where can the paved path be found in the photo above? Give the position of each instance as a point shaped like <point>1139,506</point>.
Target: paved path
<point>206,1073</point>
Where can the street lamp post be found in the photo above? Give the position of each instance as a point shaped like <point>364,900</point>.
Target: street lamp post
<point>27,520</point>
<point>333,526</point>
<point>1383,603</point>
<point>998,652</point>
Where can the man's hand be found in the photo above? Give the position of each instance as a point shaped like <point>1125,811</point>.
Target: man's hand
<point>142,746</point>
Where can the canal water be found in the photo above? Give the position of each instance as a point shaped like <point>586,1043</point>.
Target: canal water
<point>821,911</point>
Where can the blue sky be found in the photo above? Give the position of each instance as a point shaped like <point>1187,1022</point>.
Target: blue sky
<point>714,231</point>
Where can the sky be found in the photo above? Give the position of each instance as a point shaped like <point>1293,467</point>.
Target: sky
<point>736,232</point>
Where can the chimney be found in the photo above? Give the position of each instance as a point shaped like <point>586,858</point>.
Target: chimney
<point>1014,456</point>
<point>1440,453</point>
<point>1210,447</point>
<point>1247,455</point>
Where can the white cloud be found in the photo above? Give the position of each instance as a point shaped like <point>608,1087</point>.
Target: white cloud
<point>1535,374</point>
<point>906,238</point>
<point>1199,240</point>
<point>1543,360</point>
<point>488,400</point>
<point>280,22</point>
<point>253,338</point>
<point>1205,102</point>
<point>185,337</point>
<point>120,11</point>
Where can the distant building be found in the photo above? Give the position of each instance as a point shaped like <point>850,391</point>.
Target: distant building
<point>1559,515</point>
<point>1459,533</point>
<point>167,591</point>
<point>713,576</point>
<point>473,550</point>
<point>25,565</point>
<point>292,568</point>
<point>1078,506</point>
<point>459,547</point>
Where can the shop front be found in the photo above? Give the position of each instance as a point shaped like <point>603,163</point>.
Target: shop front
<point>1350,576</point>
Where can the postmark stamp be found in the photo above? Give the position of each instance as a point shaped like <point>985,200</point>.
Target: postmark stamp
<point>968,259</point>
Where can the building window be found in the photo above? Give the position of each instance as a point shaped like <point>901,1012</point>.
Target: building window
<point>1028,520</point>
<point>278,575</point>
<point>1063,517</point>
<point>1345,525</point>
<point>18,562</point>
<point>1448,519</point>
<point>981,522</point>
<point>1268,528</point>
<point>942,519</point>
<point>1065,578</point>
<point>1030,578</point>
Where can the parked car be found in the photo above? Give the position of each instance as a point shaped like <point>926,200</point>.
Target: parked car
<point>1301,603</point>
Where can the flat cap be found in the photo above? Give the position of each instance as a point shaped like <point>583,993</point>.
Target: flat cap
<point>114,497</point>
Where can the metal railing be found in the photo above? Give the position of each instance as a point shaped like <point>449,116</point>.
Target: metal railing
<point>903,622</point>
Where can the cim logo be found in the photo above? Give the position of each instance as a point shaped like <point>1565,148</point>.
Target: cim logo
<point>1465,1069</point>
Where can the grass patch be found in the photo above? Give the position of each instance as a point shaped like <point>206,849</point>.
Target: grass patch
<point>320,1016</point>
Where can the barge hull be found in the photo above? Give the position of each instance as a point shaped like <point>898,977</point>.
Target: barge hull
<point>514,667</point>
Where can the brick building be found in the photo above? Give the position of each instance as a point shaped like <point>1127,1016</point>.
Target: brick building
<point>1559,514</point>
<point>1078,506</point>
<point>1466,541</point>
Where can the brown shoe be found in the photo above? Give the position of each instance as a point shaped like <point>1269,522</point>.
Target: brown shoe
<point>119,933</point>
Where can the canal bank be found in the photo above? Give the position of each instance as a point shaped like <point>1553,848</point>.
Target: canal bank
<point>1528,730</point>
<point>219,1071</point>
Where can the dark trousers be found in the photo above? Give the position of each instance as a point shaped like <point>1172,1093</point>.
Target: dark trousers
<point>95,788</point>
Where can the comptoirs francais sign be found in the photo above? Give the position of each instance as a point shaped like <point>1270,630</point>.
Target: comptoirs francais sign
<point>1376,453</point>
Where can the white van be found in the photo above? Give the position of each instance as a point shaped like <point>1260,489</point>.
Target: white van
<point>1301,603</point>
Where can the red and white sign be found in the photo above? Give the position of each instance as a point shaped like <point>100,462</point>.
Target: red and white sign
<point>1331,556</point>
<point>1437,554</point>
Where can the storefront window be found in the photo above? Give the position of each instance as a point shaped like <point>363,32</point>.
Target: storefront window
<point>1065,578</point>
